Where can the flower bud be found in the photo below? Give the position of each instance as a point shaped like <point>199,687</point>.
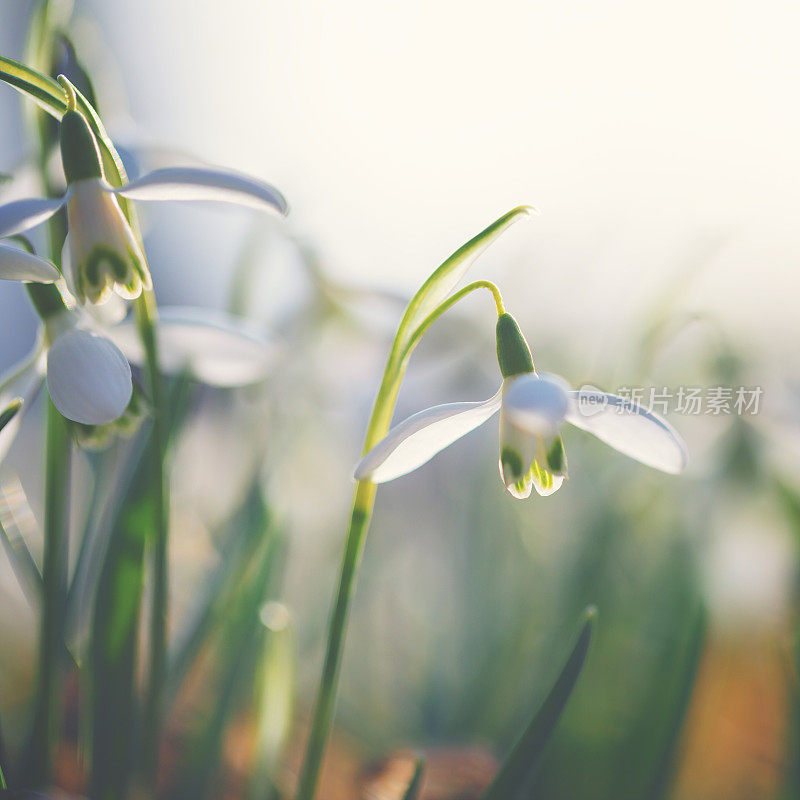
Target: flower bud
<point>79,152</point>
<point>513,353</point>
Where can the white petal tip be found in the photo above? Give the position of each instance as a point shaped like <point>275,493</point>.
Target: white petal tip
<point>418,439</point>
<point>194,183</point>
<point>629,428</point>
<point>17,265</point>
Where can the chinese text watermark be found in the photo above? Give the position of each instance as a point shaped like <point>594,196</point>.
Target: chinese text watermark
<point>688,400</point>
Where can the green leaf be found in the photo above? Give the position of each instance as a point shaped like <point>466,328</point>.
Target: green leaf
<point>686,674</point>
<point>274,699</point>
<point>14,512</point>
<point>113,646</point>
<point>416,780</point>
<point>248,526</point>
<point>50,96</point>
<point>41,89</point>
<point>23,565</point>
<point>446,277</point>
<point>236,652</point>
<point>515,774</point>
<point>9,412</point>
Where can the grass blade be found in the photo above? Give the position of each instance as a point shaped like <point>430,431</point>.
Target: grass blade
<point>274,699</point>
<point>9,412</point>
<point>687,675</point>
<point>416,781</point>
<point>15,518</point>
<point>113,646</point>
<point>44,91</point>
<point>248,526</point>
<point>449,273</point>
<point>237,651</point>
<point>515,774</point>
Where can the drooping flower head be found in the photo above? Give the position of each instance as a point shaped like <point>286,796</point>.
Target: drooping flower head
<point>85,361</point>
<point>532,408</point>
<point>101,254</point>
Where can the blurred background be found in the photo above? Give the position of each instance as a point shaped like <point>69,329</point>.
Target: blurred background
<point>659,144</point>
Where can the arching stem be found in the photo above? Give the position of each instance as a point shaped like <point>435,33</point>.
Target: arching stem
<point>360,517</point>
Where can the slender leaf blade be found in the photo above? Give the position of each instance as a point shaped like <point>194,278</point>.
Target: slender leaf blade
<point>274,699</point>
<point>41,89</point>
<point>415,785</point>
<point>9,412</point>
<point>439,285</point>
<point>686,679</point>
<point>515,774</point>
<point>113,647</point>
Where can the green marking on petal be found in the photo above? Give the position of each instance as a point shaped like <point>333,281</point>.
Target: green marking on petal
<point>91,271</point>
<point>511,462</point>
<point>115,264</point>
<point>102,269</point>
<point>556,457</point>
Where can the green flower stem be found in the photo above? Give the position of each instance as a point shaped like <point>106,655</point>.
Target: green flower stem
<point>451,301</point>
<point>361,515</point>
<point>47,714</point>
<point>55,565</point>
<point>147,319</point>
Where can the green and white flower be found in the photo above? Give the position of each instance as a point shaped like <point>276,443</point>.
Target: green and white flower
<point>532,407</point>
<point>101,253</point>
<point>86,363</point>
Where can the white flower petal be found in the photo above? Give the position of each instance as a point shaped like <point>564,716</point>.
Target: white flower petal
<point>629,428</point>
<point>194,183</point>
<point>544,481</point>
<point>67,265</point>
<point>110,312</point>
<point>17,265</point>
<point>517,449</point>
<point>419,438</point>
<point>216,348</point>
<point>88,378</point>
<point>103,254</point>
<point>536,403</point>
<point>21,215</point>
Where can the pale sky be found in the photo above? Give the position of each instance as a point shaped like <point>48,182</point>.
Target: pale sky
<point>642,131</point>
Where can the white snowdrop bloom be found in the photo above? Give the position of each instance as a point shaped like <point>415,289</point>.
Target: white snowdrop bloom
<point>85,361</point>
<point>101,253</point>
<point>213,347</point>
<point>532,407</point>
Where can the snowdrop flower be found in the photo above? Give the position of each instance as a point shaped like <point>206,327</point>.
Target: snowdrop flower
<point>532,409</point>
<point>86,362</point>
<point>101,253</point>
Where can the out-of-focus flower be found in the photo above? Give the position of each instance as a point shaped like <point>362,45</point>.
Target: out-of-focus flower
<point>86,361</point>
<point>532,408</point>
<point>101,253</point>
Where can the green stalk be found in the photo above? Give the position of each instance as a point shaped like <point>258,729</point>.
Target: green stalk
<point>146,317</point>
<point>47,714</point>
<point>360,517</point>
